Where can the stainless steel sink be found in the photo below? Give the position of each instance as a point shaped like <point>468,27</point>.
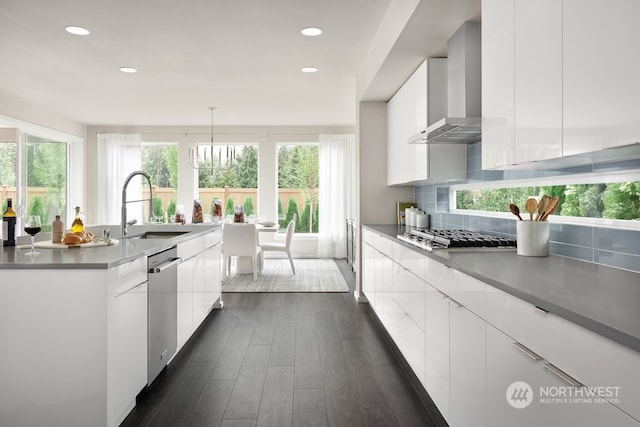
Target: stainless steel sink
<point>155,235</point>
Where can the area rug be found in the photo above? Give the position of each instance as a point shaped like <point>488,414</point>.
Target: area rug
<point>312,275</point>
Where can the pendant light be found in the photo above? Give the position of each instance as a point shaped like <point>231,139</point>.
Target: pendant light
<point>193,155</point>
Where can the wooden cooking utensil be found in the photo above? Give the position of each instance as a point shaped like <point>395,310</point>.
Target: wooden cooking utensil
<point>542,205</point>
<point>531,205</point>
<point>551,208</point>
<point>515,210</point>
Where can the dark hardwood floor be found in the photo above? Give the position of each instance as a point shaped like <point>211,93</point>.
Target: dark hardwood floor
<point>283,360</point>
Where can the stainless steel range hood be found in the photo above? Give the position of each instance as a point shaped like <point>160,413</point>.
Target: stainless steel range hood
<point>463,124</point>
<point>450,130</point>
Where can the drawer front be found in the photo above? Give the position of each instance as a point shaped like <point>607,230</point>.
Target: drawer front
<point>385,246</point>
<point>410,259</point>
<point>409,293</point>
<point>379,242</point>
<point>370,237</point>
<point>213,238</point>
<point>462,288</point>
<point>128,275</point>
<point>588,357</point>
<point>191,247</point>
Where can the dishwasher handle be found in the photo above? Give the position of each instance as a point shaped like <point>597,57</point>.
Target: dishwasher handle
<point>164,266</point>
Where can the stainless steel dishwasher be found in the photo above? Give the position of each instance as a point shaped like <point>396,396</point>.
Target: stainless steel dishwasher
<point>162,310</point>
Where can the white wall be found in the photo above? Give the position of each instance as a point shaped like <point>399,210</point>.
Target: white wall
<point>376,199</point>
<point>266,137</point>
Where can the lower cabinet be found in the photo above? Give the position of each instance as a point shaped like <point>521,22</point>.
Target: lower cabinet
<point>523,389</point>
<point>199,285</point>
<point>437,351</point>
<point>408,307</point>
<point>487,358</point>
<point>467,355</point>
<point>130,348</point>
<point>368,272</point>
<point>185,300</point>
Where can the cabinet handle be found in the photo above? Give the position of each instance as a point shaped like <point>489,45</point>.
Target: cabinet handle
<point>527,352</point>
<point>454,302</point>
<point>443,295</point>
<point>541,310</point>
<point>562,374</point>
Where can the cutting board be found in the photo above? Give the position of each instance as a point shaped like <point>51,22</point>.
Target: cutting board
<point>47,244</point>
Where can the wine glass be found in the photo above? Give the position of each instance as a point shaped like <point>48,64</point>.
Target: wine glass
<point>32,226</point>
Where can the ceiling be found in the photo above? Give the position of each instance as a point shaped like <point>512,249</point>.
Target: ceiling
<point>244,57</point>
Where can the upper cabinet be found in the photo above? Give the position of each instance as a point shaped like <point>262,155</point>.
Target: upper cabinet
<point>521,81</point>
<point>558,78</point>
<point>420,102</point>
<point>601,77</point>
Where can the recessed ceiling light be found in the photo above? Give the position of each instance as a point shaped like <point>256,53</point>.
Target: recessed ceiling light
<point>311,31</point>
<point>128,70</point>
<point>78,31</point>
<point>309,69</point>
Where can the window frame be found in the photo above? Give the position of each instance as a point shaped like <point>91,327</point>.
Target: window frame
<point>586,178</point>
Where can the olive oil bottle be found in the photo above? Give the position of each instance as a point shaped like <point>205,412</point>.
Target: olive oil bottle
<point>77,226</point>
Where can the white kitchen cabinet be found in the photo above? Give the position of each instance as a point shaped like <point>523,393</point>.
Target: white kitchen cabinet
<point>538,80</point>
<point>498,82</point>
<point>420,102</point>
<point>601,82</point>
<point>408,299</point>
<point>508,362</point>
<point>406,114</point>
<point>437,350</point>
<point>558,78</point>
<point>586,356</point>
<point>199,284</point>
<point>384,307</point>
<point>549,401</point>
<point>212,279</point>
<point>478,340</point>
<point>130,348</point>
<point>368,272</point>
<point>467,352</point>
<point>521,81</point>
<point>185,300</point>
<point>199,275</point>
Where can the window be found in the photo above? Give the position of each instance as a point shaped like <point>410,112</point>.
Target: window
<point>34,174</point>
<point>228,172</point>
<point>45,186</point>
<point>298,177</point>
<point>607,197</point>
<point>161,162</point>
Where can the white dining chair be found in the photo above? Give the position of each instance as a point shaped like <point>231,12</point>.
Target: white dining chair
<point>280,247</point>
<point>240,240</point>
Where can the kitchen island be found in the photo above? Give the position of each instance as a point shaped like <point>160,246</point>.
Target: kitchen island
<point>73,323</point>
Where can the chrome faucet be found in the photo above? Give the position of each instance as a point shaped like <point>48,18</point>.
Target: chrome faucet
<point>123,217</point>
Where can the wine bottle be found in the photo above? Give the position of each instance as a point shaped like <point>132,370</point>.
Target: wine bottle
<point>77,226</point>
<point>9,225</point>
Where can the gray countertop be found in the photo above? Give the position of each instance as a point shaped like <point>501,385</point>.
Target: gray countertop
<point>99,257</point>
<point>603,299</point>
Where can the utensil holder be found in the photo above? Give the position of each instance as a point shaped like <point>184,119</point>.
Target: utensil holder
<point>533,238</point>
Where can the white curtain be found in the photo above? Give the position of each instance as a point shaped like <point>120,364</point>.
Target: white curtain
<point>337,193</point>
<point>118,156</point>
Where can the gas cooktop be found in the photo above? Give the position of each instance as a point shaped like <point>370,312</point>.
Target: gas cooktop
<point>460,240</point>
